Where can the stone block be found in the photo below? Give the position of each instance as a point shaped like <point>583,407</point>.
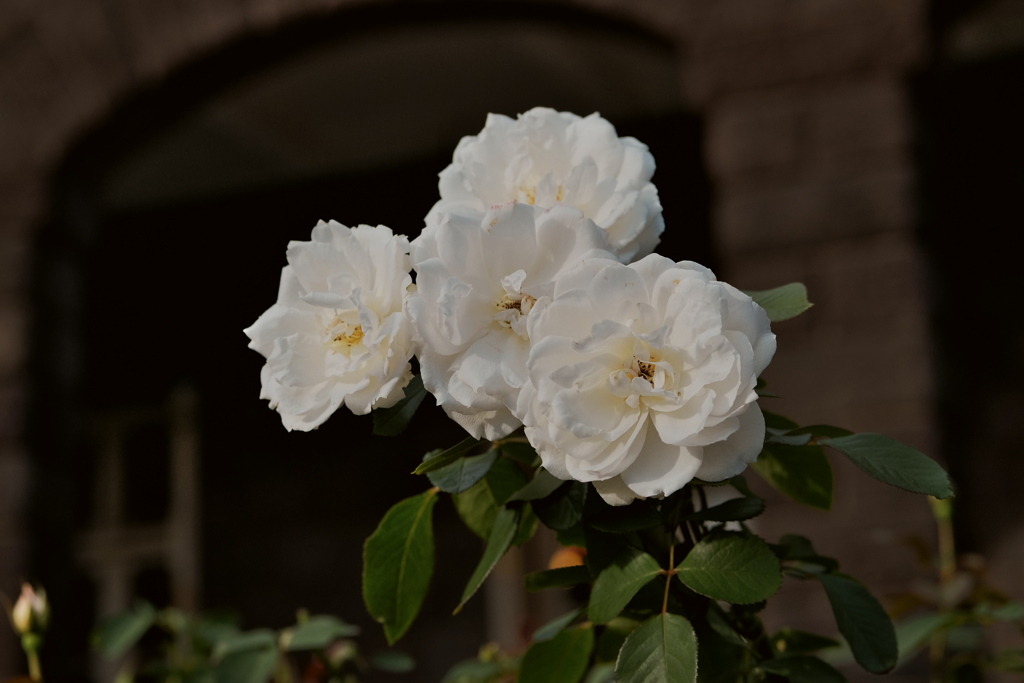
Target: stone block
<point>732,22</point>
<point>742,45</point>
<point>858,127</point>
<point>814,211</point>
<point>866,280</point>
<point>754,132</point>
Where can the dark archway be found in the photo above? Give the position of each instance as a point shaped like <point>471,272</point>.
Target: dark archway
<point>140,289</point>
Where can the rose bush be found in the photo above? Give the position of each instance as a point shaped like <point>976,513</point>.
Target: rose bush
<point>549,158</point>
<point>642,377</point>
<point>338,333</point>
<point>537,304</point>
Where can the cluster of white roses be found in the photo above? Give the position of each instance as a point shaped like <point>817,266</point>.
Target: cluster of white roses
<point>537,303</point>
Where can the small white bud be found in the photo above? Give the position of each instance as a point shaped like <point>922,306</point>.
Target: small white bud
<point>31,612</point>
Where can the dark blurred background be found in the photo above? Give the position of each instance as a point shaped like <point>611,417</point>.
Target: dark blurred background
<point>155,158</point>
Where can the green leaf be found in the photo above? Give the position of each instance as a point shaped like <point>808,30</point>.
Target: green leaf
<point>527,525</point>
<point>788,439</point>
<point>801,472</point>
<point>1011,611</point>
<point>563,659</point>
<point>794,548</point>
<point>733,567</point>
<point>393,421</point>
<point>662,649</point>
<point>863,622</point>
<point>119,633</point>
<point>719,623</point>
<point>392,661</point>
<point>463,473</point>
<point>894,463</point>
<point>563,577</point>
<point>734,510</point>
<point>449,456</point>
<point>563,508</point>
<point>398,561</point>
<point>619,582</point>
<point>601,673</point>
<point>521,451</point>
<point>803,669</point>
<point>478,505</point>
<point>316,633</point>
<point>556,626</point>
<point>542,485</point>
<point>827,431</point>
<point>258,639</point>
<point>778,422</point>
<point>914,634</point>
<point>782,303</point>
<point>792,641</point>
<point>474,671</point>
<point>613,635</point>
<point>506,522</point>
<point>247,666</point>
<point>1008,660</point>
<point>207,630</point>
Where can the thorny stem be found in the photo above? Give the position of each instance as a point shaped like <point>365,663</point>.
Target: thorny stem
<point>668,576</point>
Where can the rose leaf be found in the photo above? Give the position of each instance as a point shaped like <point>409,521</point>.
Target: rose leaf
<point>803,669</point>
<point>863,622</point>
<point>619,582</point>
<point>801,472</point>
<point>562,659</point>
<point>782,303</point>
<point>662,649</point>
<point>393,421</point>
<point>398,562</point>
<point>463,473</point>
<point>447,457</point>
<point>894,463</point>
<point>733,567</point>
<point>503,532</point>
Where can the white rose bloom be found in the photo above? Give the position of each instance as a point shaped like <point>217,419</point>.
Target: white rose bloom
<point>550,158</point>
<point>477,279</point>
<point>337,334</point>
<point>641,377</point>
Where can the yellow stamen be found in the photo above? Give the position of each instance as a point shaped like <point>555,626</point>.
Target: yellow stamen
<point>350,339</point>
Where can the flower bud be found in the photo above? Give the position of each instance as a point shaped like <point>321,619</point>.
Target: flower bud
<point>31,612</point>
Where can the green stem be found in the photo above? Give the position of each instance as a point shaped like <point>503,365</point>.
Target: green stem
<point>668,576</point>
<point>35,672</point>
<point>30,643</point>
<point>943,512</point>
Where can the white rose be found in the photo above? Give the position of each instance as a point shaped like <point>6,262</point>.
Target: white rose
<point>641,377</point>
<point>477,279</point>
<point>337,334</point>
<point>550,158</point>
